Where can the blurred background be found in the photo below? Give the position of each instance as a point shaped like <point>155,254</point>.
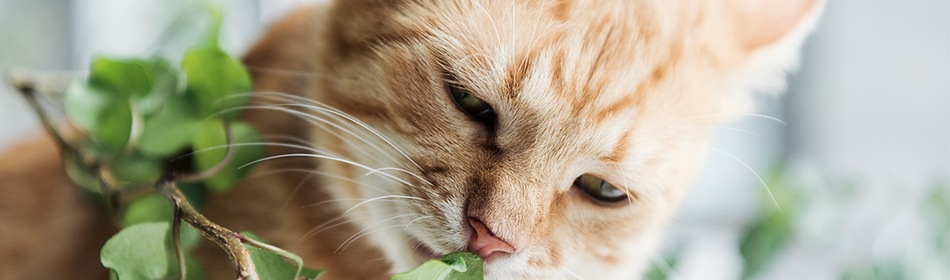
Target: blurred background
<point>857,172</point>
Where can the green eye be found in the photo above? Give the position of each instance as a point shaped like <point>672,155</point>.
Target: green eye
<point>600,190</point>
<point>472,106</point>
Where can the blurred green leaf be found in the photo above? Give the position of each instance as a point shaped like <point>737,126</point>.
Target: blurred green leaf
<point>86,181</point>
<point>150,209</point>
<point>661,271</point>
<point>123,77</point>
<point>165,85</point>
<point>137,169</point>
<point>141,251</point>
<point>765,237</point>
<point>210,144</point>
<point>106,118</point>
<point>454,266</point>
<point>936,210</point>
<point>170,130</point>
<point>212,76</point>
<point>885,271</point>
<point>762,240</point>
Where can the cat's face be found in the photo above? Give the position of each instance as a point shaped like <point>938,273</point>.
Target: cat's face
<point>565,131</point>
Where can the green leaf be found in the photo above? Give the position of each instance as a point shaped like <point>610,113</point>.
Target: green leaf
<point>455,266</point>
<point>213,75</point>
<point>151,209</point>
<point>137,169</point>
<point>170,130</point>
<point>165,85</point>
<point>210,144</point>
<point>142,251</point>
<point>273,266</point>
<point>762,240</point>
<point>104,117</point>
<point>86,181</point>
<point>124,77</point>
<point>155,208</point>
<point>310,274</point>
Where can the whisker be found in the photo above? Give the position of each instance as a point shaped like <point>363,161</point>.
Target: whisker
<point>263,144</point>
<point>341,160</point>
<point>747,166</point>
<point>490,19</point>
<point>332,223</point>
<point>365,231</point>
<point>311,119</point>
<point>416,219</point>
<point>378,198</point>
<point>290,139</point>
<point>320,107</point>
<point>766,117</point>
<point>323,227</point>
<point>378,170</point>
<point>322,173</point>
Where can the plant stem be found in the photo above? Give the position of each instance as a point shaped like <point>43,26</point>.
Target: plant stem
<point>176,239</point>
<point>225,238</point>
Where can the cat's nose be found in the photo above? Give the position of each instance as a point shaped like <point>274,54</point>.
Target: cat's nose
<point>484,242</point>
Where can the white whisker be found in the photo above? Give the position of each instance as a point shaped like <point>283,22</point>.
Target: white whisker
<point>341,160</point>
<point>325,109</point>
<point>346,243</point>
<point>312,120</point>
<point>317,106</point>
<point>400,170</point>
<point>322,227</point>
<point>490,20</point>
<point>747,166</point>
<point>321,173</point>
<point>416,219</point>
<point>378,198</point>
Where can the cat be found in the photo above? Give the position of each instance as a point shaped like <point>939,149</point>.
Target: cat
<point>552,138</point>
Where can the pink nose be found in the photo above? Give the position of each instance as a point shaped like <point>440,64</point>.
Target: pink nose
<point>485,243</point>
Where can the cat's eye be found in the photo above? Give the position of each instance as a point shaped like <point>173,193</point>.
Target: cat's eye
<point>472,106</point>
<point>599,189</point>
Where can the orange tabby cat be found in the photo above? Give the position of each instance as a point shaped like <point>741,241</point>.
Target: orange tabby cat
<point>553,138</point>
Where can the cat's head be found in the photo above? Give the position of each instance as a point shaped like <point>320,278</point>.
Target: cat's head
<point>554,137</point>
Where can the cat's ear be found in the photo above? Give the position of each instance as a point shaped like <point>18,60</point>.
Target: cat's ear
<point>759,23</point>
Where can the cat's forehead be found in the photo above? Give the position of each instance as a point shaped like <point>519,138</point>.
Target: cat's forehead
<point>596,59</point>
<point>561,64</point>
